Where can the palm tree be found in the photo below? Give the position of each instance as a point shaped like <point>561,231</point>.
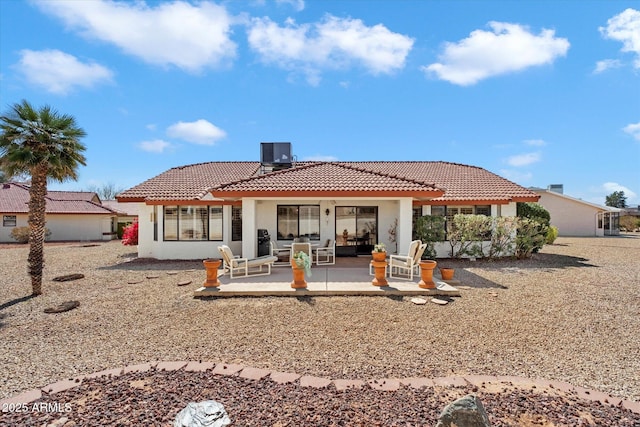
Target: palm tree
<point>43,144</point>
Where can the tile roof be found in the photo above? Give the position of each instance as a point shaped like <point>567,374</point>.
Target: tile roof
<point>459,182</point>
<point>14,198</point>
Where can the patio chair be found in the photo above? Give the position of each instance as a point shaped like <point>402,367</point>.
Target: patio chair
<point>326,255</point>
<point>244,267</point>
<point>404,266</point>
<point>283,254</point>
<point>301,247</point>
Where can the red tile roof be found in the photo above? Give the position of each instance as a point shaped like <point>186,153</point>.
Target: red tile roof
<point>14,199</point>
<point>460,183</point>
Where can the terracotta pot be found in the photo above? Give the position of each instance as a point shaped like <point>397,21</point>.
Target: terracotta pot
<point>379,256</point>
<point>298,277</point>
<point>426,274</point>
<point>380,272</point>
<point>211,266</point>
<point>446,273</point>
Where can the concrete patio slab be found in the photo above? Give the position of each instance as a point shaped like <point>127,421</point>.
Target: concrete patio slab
<point>324,281</point>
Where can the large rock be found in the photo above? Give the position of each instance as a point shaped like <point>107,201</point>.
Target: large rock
<point>202,414</point>
<point>464,412</point>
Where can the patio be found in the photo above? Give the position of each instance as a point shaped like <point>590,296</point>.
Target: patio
<point>349,276</point>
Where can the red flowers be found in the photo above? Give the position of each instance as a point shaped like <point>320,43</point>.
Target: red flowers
<point>130,234</point>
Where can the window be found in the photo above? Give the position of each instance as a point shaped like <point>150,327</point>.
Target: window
<point>299,221</point>
<point>236,223</point>
<point>192,223</point>
<point>466,210</point>
<point>9,221</point>
<point>154,218</point>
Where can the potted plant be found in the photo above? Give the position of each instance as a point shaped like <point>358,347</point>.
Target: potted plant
<point>379,252</point>
<point>446,273</point>
<point>301,265</point>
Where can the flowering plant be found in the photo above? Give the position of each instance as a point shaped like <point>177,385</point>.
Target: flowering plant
<point>380,247</point>
<point>303,260</point>
<point>130,234</point>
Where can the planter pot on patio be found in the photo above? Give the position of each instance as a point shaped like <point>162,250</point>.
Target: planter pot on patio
<point>298,278</point>
<point>380,272</point>
<point>379,256</point>
<point>426,274</point>
<point>211,266</point>
<point>446,273</point>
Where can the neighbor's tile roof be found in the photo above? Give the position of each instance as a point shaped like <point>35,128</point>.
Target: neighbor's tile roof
<point>327,177</point>
<point>459,182</point>
<point>14,198</point>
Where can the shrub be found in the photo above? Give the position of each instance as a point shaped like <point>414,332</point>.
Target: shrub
<point>21,234</point>
<point>430,229</point>
<point>552,235</point>
<point>502,237</point>
<point>530,236</point>
<point>130,235</point>
<point>540,215</point>
<point>467,234</point>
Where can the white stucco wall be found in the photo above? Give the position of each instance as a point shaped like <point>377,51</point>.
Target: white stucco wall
<point>572,217</point>
<point>67,227</point>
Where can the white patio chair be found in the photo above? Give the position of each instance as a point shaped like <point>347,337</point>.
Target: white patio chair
<point>301,247</point>
<point>244,267</point>
<point>404,266</point>
<point>326,255</point>
<point>283,254</point>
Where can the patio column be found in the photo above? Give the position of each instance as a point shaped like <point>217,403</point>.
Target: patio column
<point>249,231</point>
<point>405,219</point>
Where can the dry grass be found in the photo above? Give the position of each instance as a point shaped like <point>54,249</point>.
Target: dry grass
<point>571,314</point>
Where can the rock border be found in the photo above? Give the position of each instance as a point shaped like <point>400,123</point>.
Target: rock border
<point>488,383</point>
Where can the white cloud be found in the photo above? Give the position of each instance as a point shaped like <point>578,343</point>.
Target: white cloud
<point>535,142</point>
<point>155,146</point>
<point>524,159</point>
<point>198,132</point>
<point>606,64</point>
<point>298,5</point>
<point>625,27</point>
<point>633,129</point>
<point>188,36</point>
<point>504,49</point>
<point>58,72</point>
<point>602,191</point>
<point>333,43</point>
<point>516,176</point>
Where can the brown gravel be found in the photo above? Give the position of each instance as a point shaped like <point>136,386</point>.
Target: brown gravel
<point>570,314</point>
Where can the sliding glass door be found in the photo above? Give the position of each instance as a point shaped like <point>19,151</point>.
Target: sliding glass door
<point>356,229</point>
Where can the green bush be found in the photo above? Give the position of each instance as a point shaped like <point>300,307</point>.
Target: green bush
<point>430,229</point>
<point>552,235</point>
<point>541,216</point>
<point>21,234</point>
<point>530,237</point>
<point>467,234</point>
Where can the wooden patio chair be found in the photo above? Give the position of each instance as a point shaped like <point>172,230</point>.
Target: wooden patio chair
<point>244,267</point>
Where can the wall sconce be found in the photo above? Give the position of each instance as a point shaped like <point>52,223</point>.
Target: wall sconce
<point>327,212</point>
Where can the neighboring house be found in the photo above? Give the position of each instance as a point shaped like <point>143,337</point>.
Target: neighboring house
<point>188,211</point>
<point>577,218</point>
<point>127,214</point>
<point>70,215</point>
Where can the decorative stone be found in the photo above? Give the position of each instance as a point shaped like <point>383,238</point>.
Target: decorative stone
<point>65,306</point>
<point>184,283</point>
<point>439,301</point>
<point>419,301</point>
<point>152,276</point>
<point>208,413</point>
<point>68,277</point>
<point>135,281</point>
<point>466,411</point>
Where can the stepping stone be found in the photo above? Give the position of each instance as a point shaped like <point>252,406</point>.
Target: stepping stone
<point>172,273</point>
<point>113,288</point>
<point>184,283</point>
<point>65,306</point>
<point>133,282</point>
<point>152,276</point>
<point>493,294</point>
<point>439,301</point>
<point>68,277</point>
<point>419,301</point>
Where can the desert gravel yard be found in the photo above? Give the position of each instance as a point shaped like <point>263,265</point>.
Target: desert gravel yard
<point>570,314</point>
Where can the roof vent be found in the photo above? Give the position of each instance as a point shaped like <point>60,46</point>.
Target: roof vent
<point>556,188</point>
<point>275,156</point>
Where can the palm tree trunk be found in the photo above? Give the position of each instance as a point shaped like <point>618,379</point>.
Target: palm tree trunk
<point>37,221</point>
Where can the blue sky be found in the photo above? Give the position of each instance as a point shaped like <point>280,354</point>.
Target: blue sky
<point>540,92</point>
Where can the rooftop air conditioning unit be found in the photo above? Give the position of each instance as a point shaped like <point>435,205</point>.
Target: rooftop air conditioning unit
<point>557,188</point>
<point>276,154</point>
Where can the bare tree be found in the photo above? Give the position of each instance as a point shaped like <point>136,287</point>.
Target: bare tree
<point>106,191</point>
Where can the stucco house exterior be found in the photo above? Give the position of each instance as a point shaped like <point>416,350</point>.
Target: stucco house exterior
<point>578,218</point>
<point>70,215</point>
<point>126,213</point>
<point>188,211</point>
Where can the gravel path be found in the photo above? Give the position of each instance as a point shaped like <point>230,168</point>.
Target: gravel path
<point>571,314</point>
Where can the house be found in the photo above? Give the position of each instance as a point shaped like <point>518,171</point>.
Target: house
<point>70,215</point>
<point>127,213</point>
<point>188,211</point>
<point>577,218</point>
